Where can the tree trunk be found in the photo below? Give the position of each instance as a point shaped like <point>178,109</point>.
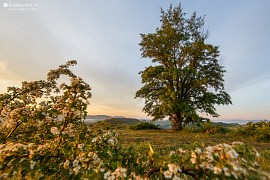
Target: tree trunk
<point>177,120</point>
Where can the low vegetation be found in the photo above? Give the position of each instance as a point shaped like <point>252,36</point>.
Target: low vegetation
<point>208,128</point>
<point>259,131</point>
<point>165,141</point>
<point>144,125</point>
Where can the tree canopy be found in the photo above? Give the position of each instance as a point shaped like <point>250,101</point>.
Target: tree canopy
<point>185,81</point>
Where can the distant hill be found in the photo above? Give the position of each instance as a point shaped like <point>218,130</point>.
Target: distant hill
<point>102,117</point>
<point>97,117</point>
<point>111,119</point>
<point>122,120</point>
<point>237,121</point>
<point>165,124</point>
<point>225,124</point>
<point>119,117</point>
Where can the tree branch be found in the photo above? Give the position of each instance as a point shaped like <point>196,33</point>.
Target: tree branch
<point>151,171</point>
<point>11,132</point>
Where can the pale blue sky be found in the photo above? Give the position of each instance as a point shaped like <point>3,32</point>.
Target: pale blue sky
<point>103,36</point>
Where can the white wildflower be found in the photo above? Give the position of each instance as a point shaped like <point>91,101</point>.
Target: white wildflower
<point>66,164</point>
<point>4,176</point>
<point>20,161</point>
<point>168,174</point>
<point>75,163</point>
<point>102,169</point>
<point>95,156</point>
<point>80,146</point>
<point>218,147</point>
<point>209,149</point>
<point>176,178</point>
<point>111,178</point>
<point>107,175</point>
<point>31,154</point>
<point>256,164</point>
<point>120,172</point>
<point>132,175</point>
<point>174,168</point>
<point>256,152</point>
<point>94,140</point>
<point>54,130</point>
<point>234,144</point>
<point>171,167</point>
<point>243,160</point>
<point>139,177</point>
<point>217,170</point>
<point>232,154</point>
<point>90,154</point>
<point>206,165</point>
<point>81,157</point>
<point>235,174</point>
<point>193,157</point>
<point>123,172</point>
<point>180,151</point>
<point>76,169</point>
<point>226,171</point>
<point>209,156</point>
<point>111,141</point>
<point>40,147</point>
<point>198,150</point>
<point>32,164</point>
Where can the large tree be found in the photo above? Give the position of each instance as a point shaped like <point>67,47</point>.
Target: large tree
<point>185,81</point>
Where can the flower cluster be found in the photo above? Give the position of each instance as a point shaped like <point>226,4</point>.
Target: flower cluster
<point>119,173</point>
<point>107,138</point>
<point>222,160</point>
<point>173,171</point>
<point>83,162</point>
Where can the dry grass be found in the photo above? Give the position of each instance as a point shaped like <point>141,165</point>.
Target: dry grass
<point>166,138</point>
<point>164,141</point>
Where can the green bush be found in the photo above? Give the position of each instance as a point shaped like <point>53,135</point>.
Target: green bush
<point>208,128</point>
<point>144,125</point>
<point>259,131</point>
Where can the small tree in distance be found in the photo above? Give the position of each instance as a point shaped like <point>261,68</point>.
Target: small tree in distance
<point>186,78</point>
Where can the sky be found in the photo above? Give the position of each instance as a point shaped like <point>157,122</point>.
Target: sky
<point>103,36</point>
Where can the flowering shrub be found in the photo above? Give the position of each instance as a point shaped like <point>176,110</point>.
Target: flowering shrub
<point>43,136</point>
<point>43,133</point>
<point>234,161</point>
<point>42,129</point>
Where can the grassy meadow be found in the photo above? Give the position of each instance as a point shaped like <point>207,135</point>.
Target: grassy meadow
<point>164,141</point>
